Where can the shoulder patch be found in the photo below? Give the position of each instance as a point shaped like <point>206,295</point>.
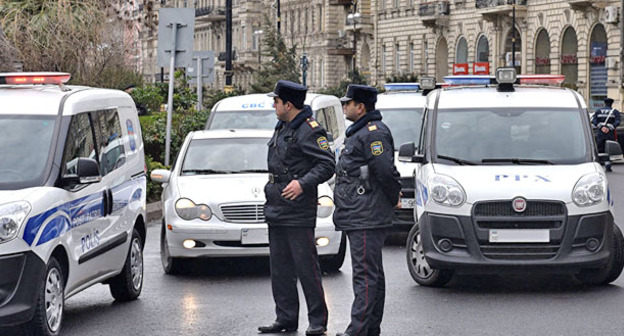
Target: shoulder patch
<point>372,128</point>
<point>312,123</point>
<point>322,143</point>
<point>376,147</point>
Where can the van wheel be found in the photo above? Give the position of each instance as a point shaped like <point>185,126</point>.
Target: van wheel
<point>170,265</point>
<point>49,309</point>
<point>128,284</point>
<point>614,266</point>
<point>333,263</point>
<point>418,267</point>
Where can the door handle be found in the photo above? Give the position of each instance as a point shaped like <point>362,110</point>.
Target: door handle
<point>110,201</point>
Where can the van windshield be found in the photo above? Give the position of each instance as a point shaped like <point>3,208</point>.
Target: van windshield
<point>226,156</point>
<point>25,144</point>
<point>510,136</point>
<point>404,124</point>
<point>259,119</point>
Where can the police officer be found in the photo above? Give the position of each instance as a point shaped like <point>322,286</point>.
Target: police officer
<point>299,160</point>
<point>367,189</point>
<point>605,120</point>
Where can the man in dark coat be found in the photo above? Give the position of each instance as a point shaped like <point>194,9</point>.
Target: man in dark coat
<point>605,120</point>
<point>367,189</point>
<point>299,160</point>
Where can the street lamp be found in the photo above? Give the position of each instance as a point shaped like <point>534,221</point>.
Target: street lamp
<point>354,18</point>
<point>304,67</point>
<point>258,34</point>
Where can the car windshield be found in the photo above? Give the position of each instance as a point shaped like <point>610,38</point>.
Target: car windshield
<point>510,136</point>
<point>25,144</point>
<point>259,119</point>
<point>226,156</point>
<point>403,123</point>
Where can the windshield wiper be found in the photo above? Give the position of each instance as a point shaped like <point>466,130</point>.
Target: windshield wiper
<point>516,161</point>
<point>250,171</point>
<point>205,171</point>
<point>461,162</point>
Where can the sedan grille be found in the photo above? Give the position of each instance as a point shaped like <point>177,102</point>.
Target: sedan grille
<point>243,213</point>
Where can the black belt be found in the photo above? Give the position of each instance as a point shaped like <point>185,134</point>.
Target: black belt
<point>274,178</point>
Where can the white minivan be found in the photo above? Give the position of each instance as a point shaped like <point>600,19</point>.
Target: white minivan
<point>508,179</point>
<point>255,111</point>
<point>72,197</point>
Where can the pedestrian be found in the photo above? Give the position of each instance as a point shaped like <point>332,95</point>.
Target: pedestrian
<point>299,160</point>
<point>367,189</point>
<point>605,120</point>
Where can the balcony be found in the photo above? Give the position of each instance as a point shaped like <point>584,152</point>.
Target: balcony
<point>583,4</point>
<point>364,24</point>
<point>434,13</point>
<point>210,14</point>
<point>492,8</point>
<point>339,47</point>
<point>340,2</point>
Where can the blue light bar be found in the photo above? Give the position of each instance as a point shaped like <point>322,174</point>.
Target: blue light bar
<point>468,79</point>
<point>402,87</point>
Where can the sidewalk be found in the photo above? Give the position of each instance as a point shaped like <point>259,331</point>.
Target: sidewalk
<point>154,212</point>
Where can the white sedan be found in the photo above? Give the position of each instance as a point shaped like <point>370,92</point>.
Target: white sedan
<point>213,202</point>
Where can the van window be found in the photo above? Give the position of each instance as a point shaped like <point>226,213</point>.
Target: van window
<point>79,143</point>
<point>260,119</point>
<point>110,140</point>
<point>327,118</point>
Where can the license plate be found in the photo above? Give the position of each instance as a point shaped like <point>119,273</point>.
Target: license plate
<point>519,236</point>
<point>407,203</point>
<point>254,236</point>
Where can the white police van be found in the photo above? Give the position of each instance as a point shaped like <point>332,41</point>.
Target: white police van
<point>72,197</point>
<point>509,180</point>
<point>255,111</point>
<point>401,106</point>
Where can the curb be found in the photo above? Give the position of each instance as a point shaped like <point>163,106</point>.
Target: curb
<point>154,211</point>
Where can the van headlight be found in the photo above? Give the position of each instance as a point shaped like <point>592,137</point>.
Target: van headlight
<point>12,216</point>
<point>589,190</point>
<point>188,210</point>
<point>446,191</point>
<point>325,207</point>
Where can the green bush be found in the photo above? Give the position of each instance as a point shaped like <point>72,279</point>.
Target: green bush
<point>149,96</point>
<point>154,189</point>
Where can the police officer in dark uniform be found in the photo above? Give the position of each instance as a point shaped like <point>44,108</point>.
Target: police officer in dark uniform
<point>605,120</point>
<point>299,160</point>
<point>367,189</point>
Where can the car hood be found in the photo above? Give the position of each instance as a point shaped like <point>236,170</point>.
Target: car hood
<point>223,188</point>
<point>7,196</point>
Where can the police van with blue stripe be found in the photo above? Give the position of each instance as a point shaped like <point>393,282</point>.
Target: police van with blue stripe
<point>508,179</point>
<point>72,197</point>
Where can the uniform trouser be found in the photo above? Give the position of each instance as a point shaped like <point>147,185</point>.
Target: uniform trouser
<point>369,283</point>
<point>293,255</point>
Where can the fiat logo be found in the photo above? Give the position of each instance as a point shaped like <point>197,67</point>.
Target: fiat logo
<point>255,191</point>
<point>519,204</point>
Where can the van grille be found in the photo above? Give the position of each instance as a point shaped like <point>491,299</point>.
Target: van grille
<point>533,208</point>
<point>243,213</point>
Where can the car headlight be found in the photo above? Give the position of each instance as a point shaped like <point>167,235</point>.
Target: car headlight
<point>446,191</point>
<point>12,216</point>
<point>325,207</point>
<point>188,210</point>
<point>589,190</point>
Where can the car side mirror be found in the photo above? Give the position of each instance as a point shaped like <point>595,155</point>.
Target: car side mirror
<point>407,153</point>
<point>160,175</point>
<point>87,172</point>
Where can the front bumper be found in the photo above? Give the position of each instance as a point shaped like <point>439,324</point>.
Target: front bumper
<point>222,239</point>
<point>566,251</point>
<point>20,283</point>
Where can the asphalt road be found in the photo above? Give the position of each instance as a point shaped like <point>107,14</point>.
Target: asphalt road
<point>234,298</point>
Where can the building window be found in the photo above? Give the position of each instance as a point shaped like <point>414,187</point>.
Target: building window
<point>397,59</point>
<point>411,57</point>
<point>397,3</point>
<point>320,20</point>
<point>542,53</point>
<point>382,5</point>
<point>383,60</point>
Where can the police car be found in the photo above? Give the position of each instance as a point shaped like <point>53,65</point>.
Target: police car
<point>255,111</point>
<point>72,197</point>
<point>508,179</point>
<point>213,202</point>
<point>401,106</point>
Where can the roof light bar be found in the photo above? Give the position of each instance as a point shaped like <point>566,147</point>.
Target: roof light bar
<point>541,79</point>
<point>402,87</point>
<point>428,83</point>
<point>468,80</point>
<point>24,78</point>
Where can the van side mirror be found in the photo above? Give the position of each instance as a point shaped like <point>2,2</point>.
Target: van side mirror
<point>330,138</point>
<point>613,148</point>
<point>407,153</point>
<point>87,172</point>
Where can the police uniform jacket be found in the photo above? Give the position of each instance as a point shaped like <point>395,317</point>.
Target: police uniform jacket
<point>602,118</point>
<point>369,143</point>
<point>298,150</point>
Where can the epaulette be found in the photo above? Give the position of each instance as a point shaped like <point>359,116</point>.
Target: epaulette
<point>312,123</point>
<point>372,127</point>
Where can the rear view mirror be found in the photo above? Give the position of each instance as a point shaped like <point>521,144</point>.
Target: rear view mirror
<point>613,148</point>
<point>160,175</point>
<point>87,172</point>
<point>407,153</point>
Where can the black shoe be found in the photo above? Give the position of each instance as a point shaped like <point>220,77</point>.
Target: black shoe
<point>315,330</point>
<point>277,327</point>
<point>608,168</point>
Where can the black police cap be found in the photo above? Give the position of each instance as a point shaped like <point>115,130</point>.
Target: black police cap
<point>360,93</point>
<point>608,101</point>
<point>290,92</point>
